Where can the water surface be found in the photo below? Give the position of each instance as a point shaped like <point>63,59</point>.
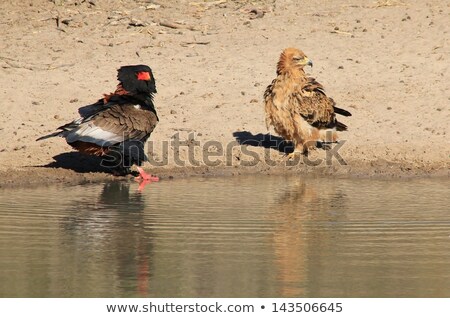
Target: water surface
<point>254,236</point>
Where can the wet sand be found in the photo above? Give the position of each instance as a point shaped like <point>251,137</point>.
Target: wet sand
<point>386,62</point>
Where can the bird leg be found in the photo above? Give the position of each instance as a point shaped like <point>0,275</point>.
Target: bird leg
<point>145,176</point>
<point>144,179</point>
<point>142,184</point>
<point>302,149</point>
<point>327,138</point>
<point>298,150</point>
<point>325,145</point>
<point>292,155</point>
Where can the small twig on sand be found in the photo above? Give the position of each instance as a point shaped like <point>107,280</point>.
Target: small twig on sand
<point>324,13</point>
<point>341,32</point>
<point>388,3</point>
<point>174,25</point>
<point>195,42</point>
<point>42,67</point>
<point>54,67</point>
<point>171,25</point>
<point>207,4</point>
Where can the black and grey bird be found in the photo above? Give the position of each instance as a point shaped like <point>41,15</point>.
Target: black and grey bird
<point>118,125</point>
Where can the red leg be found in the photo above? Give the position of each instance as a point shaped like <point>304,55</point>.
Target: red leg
<point>142,184</point>
<point>145,176</point>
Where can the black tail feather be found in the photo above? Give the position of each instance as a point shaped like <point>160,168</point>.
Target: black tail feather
<point>55,134</point>
<point>340,126</point>
<point>341,111</point>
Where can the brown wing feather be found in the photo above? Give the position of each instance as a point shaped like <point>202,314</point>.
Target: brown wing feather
<point>134,123</point>
<point>268,104</point>
<point>313,105</point>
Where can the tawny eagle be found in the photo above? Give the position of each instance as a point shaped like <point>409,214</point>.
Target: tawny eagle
<point>298,108</point>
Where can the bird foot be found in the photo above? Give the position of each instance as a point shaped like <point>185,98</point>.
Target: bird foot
<point>146,176</point>
<point>144,179</point>
<point>325,145</point>
<point>292,155</point>
<point>142,183</point>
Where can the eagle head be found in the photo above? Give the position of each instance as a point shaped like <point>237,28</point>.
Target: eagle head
<point>137,79</point>
<point>292,59</point>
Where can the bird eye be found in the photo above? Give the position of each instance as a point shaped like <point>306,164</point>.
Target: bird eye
<point>296,58</point>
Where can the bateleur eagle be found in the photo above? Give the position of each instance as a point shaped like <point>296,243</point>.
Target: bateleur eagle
<point>118,125</point>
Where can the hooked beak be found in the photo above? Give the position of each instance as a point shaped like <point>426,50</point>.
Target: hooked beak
<point>305,61</point>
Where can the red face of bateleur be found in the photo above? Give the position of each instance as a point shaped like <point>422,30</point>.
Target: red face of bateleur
<point>143,76</point>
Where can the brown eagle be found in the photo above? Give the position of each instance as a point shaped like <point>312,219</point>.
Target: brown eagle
<point>118,125</point>
<point>298,108</point>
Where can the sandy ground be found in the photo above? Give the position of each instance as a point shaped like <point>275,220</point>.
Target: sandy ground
<point>385,61</point>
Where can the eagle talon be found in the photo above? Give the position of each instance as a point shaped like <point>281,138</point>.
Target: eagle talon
<point>144,179</point>
<point>325,145</point>
<point>145,176</point>
<point>292,155</point>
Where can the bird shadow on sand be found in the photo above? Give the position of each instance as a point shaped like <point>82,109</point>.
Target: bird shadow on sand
<point>263,140</point>
<point>77,162</point>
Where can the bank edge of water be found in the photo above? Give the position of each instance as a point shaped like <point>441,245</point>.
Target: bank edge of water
<point>38,176</point>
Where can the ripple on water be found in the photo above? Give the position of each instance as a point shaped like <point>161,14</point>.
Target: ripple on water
<point>253,236</point>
